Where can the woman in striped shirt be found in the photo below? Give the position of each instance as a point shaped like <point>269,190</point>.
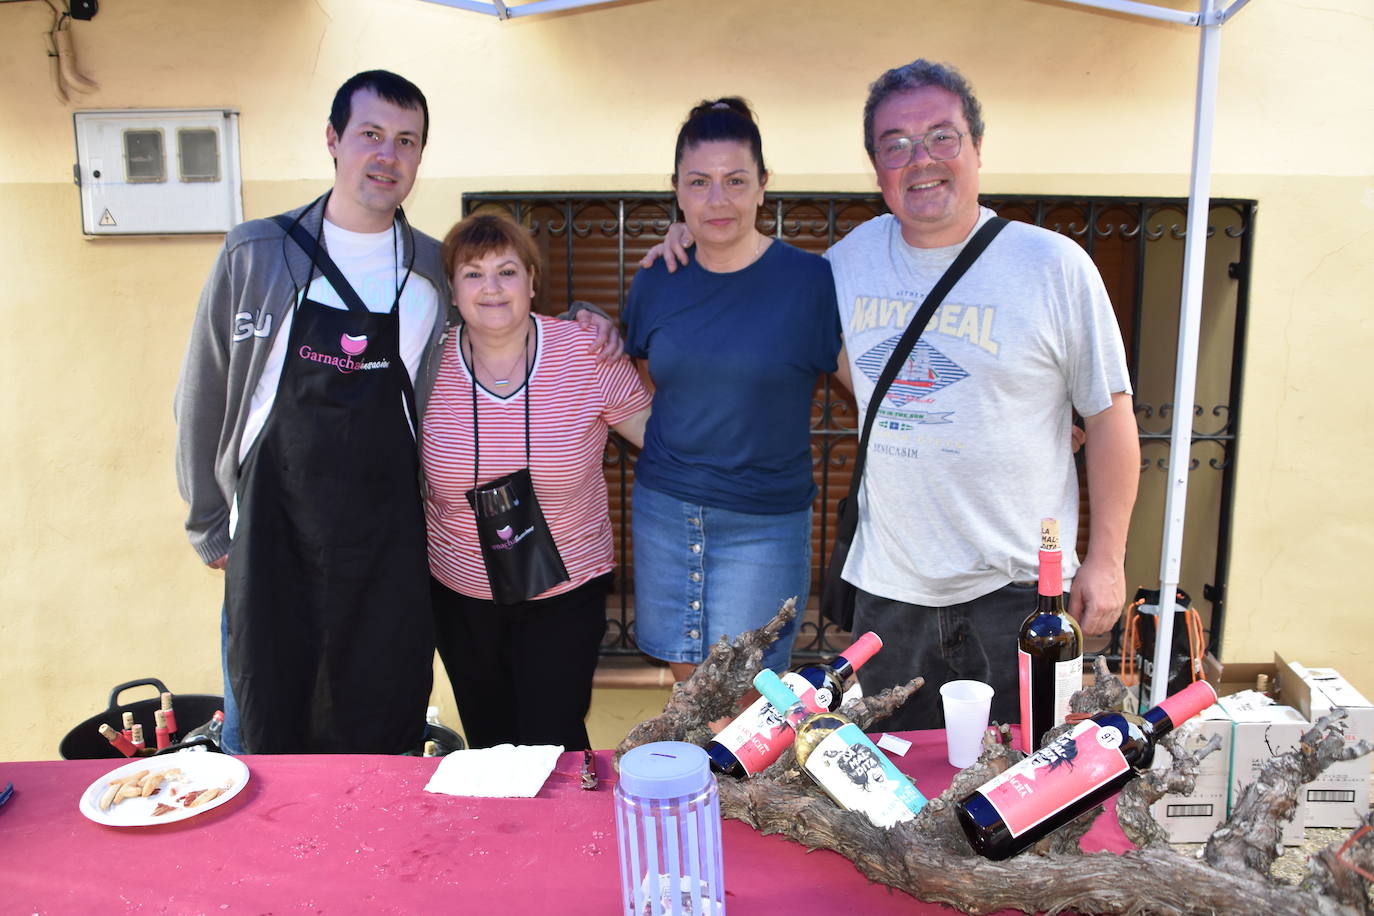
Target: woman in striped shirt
<point>521,673</point>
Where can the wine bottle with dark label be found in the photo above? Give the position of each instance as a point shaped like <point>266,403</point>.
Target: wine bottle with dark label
<point>759,735</point>
<point>1050,648</point>
<point>838,756</point>
<point>1082,767</point>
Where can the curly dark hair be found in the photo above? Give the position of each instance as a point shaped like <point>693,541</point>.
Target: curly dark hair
<point>917,75</point>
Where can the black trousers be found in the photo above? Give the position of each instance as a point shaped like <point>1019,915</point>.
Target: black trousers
<point>974,640</point>
<point>522,673</point>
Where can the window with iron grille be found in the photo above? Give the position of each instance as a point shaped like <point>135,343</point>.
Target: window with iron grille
<point>592,244</point>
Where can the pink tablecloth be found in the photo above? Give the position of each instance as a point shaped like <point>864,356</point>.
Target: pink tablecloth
<point>360,834</point>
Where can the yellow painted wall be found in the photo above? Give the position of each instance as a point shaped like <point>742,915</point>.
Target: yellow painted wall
<point>97,584</point>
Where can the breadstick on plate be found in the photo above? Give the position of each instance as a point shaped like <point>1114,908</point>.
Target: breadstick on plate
<point>208,795</point>
<point>132,777</point>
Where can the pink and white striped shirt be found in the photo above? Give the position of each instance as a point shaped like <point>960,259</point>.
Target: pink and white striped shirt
<point>573,402</point>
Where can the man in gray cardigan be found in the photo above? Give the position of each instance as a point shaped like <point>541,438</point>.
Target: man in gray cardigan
<point>298,412</point>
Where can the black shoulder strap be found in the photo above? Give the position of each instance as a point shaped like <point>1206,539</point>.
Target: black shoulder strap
<point>322,262</point>
<point>962,263</point>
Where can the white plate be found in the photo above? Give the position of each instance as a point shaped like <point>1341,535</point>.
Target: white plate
<point>199,770</point>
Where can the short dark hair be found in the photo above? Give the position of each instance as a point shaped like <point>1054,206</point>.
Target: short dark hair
<point>729,118</point>
<point>917,75</point>
<point>395,89</point>
<point>480,234</point>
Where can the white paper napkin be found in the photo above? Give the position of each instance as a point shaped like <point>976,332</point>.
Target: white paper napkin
<point>504,771</point>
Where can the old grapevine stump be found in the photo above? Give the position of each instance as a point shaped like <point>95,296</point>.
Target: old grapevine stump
<point>929,858</point>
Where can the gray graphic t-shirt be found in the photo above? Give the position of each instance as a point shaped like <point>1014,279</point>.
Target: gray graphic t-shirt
<point>970,447</point>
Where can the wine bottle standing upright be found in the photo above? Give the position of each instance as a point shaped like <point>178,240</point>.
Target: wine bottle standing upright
<point>838,756</point>
<point>1075,771</point>
<point>758,735</point>
<point>169,715</point>
<point>1050,648</point>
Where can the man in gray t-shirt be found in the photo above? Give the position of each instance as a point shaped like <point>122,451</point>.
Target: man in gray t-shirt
<point>970,447</point>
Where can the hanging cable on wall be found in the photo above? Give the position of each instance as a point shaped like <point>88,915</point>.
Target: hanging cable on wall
<point>67,78</point>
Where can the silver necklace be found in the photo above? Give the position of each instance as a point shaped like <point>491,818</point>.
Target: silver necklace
<point>501,382</point>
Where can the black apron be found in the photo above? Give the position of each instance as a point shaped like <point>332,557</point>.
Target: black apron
<point>331,638</point>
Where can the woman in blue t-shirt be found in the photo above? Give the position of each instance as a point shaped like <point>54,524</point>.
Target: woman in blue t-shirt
<point>734,342</point>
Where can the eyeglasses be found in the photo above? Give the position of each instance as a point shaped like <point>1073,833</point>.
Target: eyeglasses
<point>940,143</point>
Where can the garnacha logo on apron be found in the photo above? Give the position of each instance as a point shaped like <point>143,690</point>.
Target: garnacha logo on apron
<point>351,347</point>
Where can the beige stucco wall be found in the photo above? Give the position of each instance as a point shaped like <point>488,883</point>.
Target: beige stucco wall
<point>97,585</point>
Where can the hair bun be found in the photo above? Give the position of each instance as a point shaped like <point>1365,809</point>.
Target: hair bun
<point>731,103</point>
<point>729,119</point>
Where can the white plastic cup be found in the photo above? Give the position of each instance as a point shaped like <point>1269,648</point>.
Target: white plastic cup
<point>966,718</point>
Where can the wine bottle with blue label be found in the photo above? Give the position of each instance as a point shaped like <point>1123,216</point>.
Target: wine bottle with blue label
<point>838,756</point>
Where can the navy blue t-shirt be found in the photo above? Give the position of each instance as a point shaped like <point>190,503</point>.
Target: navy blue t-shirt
<point>734,358</point>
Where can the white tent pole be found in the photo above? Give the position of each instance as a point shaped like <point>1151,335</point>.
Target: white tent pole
<point>472,6</point>
<point>504,10</point>
<point>1144,10</point>
<point>1185,371</point>
<point>552,6</point>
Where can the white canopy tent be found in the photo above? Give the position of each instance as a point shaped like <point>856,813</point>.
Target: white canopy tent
<point>1209,19</point>
<point>510,11</point>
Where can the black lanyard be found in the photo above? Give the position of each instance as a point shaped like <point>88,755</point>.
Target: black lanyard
<point>472,371</point>
<point>320,259</point>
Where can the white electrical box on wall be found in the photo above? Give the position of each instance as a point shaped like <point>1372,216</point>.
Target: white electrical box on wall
<point>158,171</point>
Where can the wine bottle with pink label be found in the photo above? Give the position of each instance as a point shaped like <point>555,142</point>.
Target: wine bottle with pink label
<point>759,735</point>
<point>1071,774</point>
<point>1049,648</point>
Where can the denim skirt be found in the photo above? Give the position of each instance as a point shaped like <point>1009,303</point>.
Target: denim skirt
<point>703,572</point>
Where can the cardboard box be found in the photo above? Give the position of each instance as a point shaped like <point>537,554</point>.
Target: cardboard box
<point>1340,795</point>
<point>1236,676</point>
<point>1259,734</point>
<point>1192,818</point>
